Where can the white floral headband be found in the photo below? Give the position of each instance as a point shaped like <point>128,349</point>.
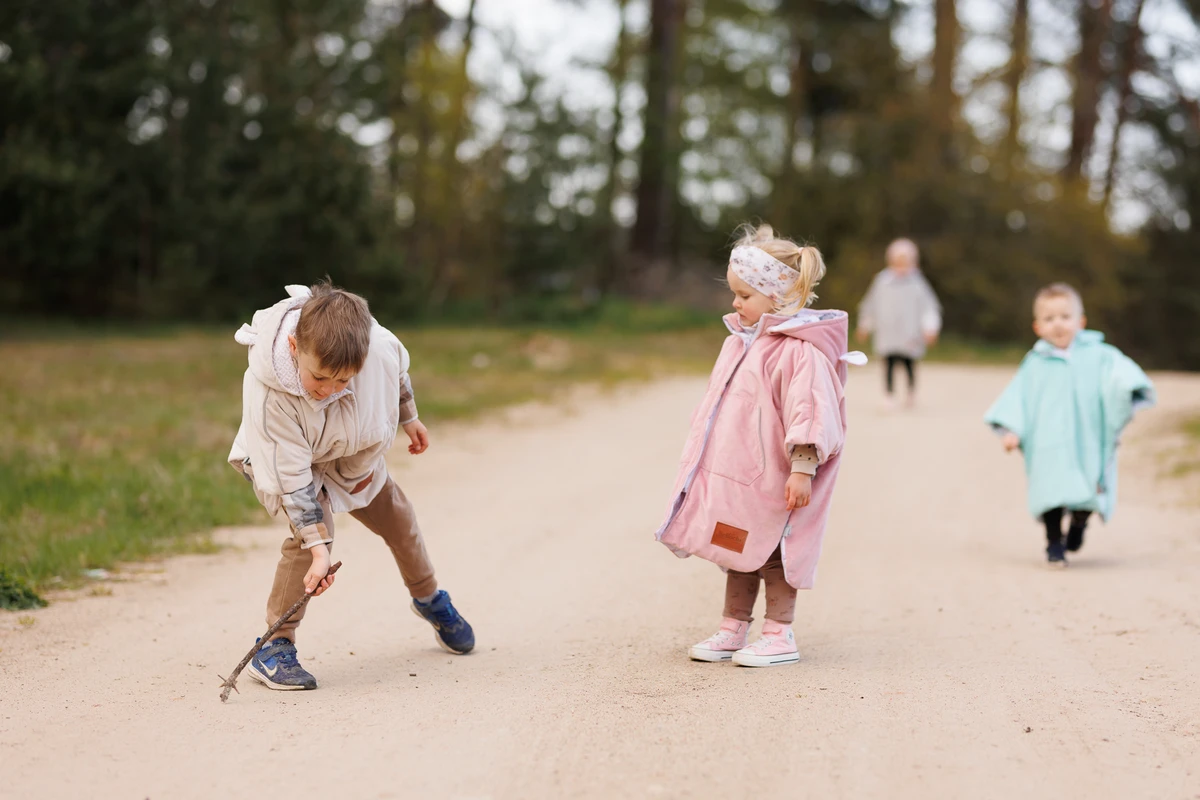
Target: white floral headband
<point>763,271</point>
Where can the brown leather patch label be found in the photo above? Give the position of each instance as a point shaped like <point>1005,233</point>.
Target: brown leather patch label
<point>729,537</point>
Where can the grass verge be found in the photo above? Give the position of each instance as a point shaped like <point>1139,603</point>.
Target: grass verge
<point>113,445</point>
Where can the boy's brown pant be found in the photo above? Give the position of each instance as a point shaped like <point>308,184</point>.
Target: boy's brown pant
<point>389,515</point>
<point>741,590</point>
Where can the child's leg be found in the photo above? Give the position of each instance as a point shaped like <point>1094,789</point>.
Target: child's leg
<point>393,519</point>
<point>1079,521</point>
<point>910,367</point>
<point>741,590</point>
<point>289,577</point>
<point>1052,519</point>
<point>781,597</point>
<point>889,373</point>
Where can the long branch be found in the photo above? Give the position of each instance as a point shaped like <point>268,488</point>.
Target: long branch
<point>231,681</point>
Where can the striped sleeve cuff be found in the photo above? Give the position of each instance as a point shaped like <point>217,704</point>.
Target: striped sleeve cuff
<point>408,402</point>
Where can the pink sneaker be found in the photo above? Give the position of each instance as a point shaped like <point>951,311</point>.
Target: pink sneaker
<point>776,646</point>
<point>721,645</point>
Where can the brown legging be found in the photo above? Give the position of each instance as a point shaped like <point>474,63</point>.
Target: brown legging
<point>741,590</point>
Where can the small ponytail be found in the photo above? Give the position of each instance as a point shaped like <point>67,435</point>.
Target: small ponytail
<point>805,260</point>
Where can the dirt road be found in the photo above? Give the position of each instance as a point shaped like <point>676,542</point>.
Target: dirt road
<point>940,658</point>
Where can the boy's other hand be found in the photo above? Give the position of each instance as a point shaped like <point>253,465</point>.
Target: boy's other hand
<point>1011,442</point>
<point>418,436</point>
<point>364,483</point>
<point>318,578</point>
<point>931,339</point>
<point>862,334</point>
<point>798,491</point>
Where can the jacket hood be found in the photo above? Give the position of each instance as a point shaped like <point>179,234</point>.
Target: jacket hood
<point>262,331</point>
<point>828,331</point>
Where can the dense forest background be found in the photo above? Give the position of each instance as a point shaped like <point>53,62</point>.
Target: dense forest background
<point>182,159</point>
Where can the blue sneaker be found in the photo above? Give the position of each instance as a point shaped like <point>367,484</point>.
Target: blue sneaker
<point>276,667</point>
<point>453,632</point>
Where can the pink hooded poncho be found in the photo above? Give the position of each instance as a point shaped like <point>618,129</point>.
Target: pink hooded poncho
<point>782,387</point>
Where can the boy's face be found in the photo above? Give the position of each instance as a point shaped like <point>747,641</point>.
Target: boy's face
<point>1057,320</point>
<point>318,382</point>
<point>748,302</point>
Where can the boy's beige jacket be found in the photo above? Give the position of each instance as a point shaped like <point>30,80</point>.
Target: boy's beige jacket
<point>290,441</point>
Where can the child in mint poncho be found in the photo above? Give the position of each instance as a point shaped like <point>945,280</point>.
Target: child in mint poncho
<point>1066,409</point>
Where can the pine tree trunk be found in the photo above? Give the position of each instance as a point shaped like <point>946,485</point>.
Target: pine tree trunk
<point>654,192</point>
<point>797,110</point>
<point>1129,63</point>
<point>444,278</point>
<point>1018,64</point>
<point>608,274</point>
<point>1094,24</point>
<point>945,57</point>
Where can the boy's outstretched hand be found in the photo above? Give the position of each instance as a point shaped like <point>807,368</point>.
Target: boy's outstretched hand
<point>318,579</point>
<point>798,491</point>
<point>418,436</point>
<point>1011,442</point>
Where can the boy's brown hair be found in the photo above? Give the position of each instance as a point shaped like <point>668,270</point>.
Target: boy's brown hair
<point>1057,290</point>
<point>335,327</point>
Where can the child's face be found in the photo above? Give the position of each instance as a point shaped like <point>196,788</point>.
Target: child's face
<point>318,382</point>
<point>748,302</point>
<point>901,262</point>
<point>1057,320</point>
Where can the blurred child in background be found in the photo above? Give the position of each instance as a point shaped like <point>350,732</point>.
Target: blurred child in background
<point>902,315</point>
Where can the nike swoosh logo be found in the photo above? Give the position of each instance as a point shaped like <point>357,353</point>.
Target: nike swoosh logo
<point>270,670</point>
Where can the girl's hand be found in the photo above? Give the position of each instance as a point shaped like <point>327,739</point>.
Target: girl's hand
<point>1011,442</point>
<point>418,435</point>
<point>318,579</point>
<point>798,491</point>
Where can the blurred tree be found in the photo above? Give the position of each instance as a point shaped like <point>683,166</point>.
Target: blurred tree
<point>1095,18</point>
<point>1018,66</point>
<point>655,193</point>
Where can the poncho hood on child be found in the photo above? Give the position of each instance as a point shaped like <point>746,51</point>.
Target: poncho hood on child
<point>780,387</point>
<point>1068,408</point>
<point>291,440</point>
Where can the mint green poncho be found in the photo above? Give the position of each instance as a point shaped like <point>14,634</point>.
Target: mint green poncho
<point>1068,409</point>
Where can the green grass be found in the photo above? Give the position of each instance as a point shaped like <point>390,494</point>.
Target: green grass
<point>113,442</point>
<point>961,351</point>
<point>1187,460</point>
<point>113,445</point>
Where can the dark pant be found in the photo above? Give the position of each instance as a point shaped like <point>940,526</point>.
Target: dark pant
<point>1052,519</point>
<point>909,367</point>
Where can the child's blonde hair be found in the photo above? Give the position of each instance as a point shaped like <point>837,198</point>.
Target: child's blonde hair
<point>805,259</point>
<point>335,327</point>
<point>1058,290</point>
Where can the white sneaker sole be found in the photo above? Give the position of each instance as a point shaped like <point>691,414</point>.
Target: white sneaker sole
<point>711,656</point>
<point>751,660</point>
<point>270,684</point>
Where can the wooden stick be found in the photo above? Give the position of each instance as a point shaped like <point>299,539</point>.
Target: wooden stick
<point>231,681</point>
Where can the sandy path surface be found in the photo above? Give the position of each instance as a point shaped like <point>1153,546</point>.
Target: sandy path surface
<point>940,657</point>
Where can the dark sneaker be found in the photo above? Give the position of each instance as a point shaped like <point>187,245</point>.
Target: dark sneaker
<point>1074,538</point>
<point>276,667</point>
<point>1056,555</point>
<point>453,632</point>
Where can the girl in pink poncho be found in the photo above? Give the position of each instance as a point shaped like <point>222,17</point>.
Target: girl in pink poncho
<point>758,471</point>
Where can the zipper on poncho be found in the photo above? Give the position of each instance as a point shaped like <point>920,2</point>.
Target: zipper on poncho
<point>708,425</point>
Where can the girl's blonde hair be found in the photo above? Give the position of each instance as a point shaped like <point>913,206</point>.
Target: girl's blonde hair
<point>805,259</point>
